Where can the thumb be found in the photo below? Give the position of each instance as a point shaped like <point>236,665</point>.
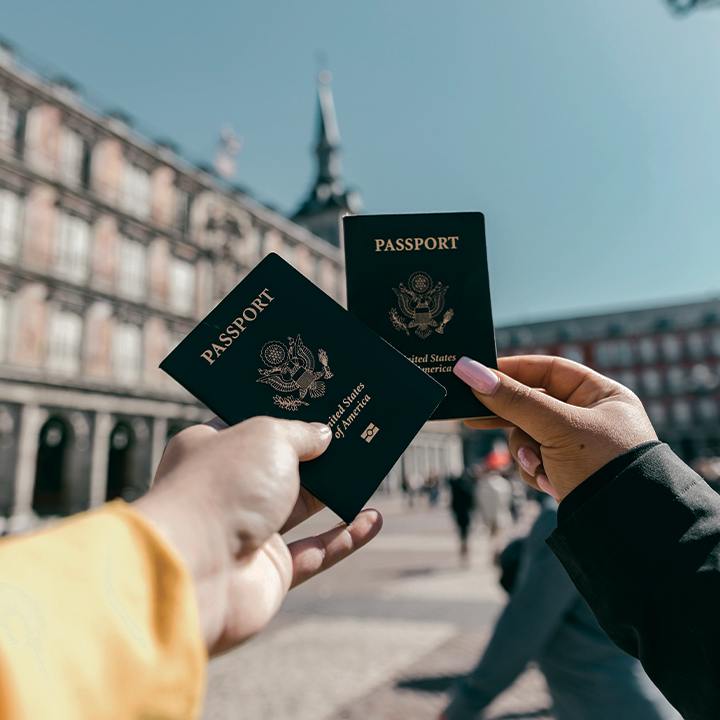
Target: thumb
<point>309,440</point>
<point>534,411</point>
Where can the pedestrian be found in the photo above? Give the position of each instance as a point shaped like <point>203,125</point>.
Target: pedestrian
<point>432,488</point>
<point>546,621</point>
<point>462,503</point>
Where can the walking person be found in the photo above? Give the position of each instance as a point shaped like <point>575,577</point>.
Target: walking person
<point>548,622</point>
<point>462,503</point>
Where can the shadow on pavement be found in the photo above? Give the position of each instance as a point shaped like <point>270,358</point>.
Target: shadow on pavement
<point>438,684</point>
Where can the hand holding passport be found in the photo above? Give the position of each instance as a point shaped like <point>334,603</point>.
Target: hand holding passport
<point>278,346</point>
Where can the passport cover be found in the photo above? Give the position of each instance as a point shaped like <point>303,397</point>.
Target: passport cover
<point>278,345</point>
<point>421,282</point>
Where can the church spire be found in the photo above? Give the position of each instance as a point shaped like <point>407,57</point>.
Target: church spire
<point>327,147</point>
<point>327,200</point>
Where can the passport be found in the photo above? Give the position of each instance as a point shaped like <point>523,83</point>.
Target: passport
<point>421,282</point>
<point>278,345</point>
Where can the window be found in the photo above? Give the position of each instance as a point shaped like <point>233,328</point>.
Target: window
<point>671,348</point>
<point>647,349</point>
<point>624,353</point>
<point>11,122</point>
<point>131,268</point>
<point>250,247</point>
<point>696,345</point>
<point>676,380</point>
<point>127,350</point>
<point>702,378</point>
<point>72,248</point>
<point>136,190</point>
<point>9,225</point>
<point>652,382</point>
<point>4,326</point>
<point>72,155</point>
<point>606,354</point>
<point>629,380</point>
<point>64,336</point>
<point>287,251</point>
<point>573,352</point>
<point>707,409</point>
<point>182,286</point>
<point>682,412</point>
<point>715,343</point>
<point>181,213</point>
<point>657,413</point>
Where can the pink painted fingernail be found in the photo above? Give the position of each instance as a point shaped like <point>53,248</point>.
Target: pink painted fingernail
<point>528,459</point>
<point>477,376</point>
<point>546,487</point>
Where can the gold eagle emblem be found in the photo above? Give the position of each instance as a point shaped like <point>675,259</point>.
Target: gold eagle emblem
<point>421,303</point>
<point>291,368</point>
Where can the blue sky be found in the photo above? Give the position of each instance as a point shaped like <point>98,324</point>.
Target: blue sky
<point>585,130</point>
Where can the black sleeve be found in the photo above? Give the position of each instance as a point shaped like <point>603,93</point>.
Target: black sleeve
<point>642,544</point>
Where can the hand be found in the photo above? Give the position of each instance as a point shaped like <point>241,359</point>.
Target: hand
<point>221,495</point>
<point>567,420</point>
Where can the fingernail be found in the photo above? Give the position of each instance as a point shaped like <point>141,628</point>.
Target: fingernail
<point>528,459</point>
<point>546,487</point>
<point>322,427</point>
<point>477,376</point>
<point>217,424</point>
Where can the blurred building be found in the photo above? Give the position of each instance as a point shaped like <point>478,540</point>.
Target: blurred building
<point>669,356</point>
<point>111,249</point>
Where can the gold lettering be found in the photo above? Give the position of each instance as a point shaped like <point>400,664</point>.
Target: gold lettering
<point>453,239</point>
<point>233,331</point>
<point>389,245</point>
<point>378,244</point>
<point>443,243</point>
<point>427,243</point>
<point>408,244</point>
<point>418,243</point>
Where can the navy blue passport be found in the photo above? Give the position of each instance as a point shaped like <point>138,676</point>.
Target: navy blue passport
<point>421,282</point>
<point>277,345</point>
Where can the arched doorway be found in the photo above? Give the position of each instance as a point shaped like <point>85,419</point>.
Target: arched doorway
<point>49,491</point>
<point>120,463</point>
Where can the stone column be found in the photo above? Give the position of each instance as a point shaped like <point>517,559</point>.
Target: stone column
<point>159,440</point>
<point>32,418</point>
<point>99,460</point>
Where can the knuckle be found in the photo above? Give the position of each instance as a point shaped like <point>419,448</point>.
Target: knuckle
<point>515,399</point>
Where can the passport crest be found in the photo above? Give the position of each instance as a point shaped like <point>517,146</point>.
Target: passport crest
<point>421,302</point>
<point>291,367</point>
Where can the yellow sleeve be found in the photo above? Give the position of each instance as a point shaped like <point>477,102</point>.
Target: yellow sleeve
<point>98,620</point>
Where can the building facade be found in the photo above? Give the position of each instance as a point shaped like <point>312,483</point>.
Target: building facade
<point>668,356</point>
<point>111,249</point>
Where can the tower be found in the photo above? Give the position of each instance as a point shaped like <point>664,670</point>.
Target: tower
<point>328,200</point>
